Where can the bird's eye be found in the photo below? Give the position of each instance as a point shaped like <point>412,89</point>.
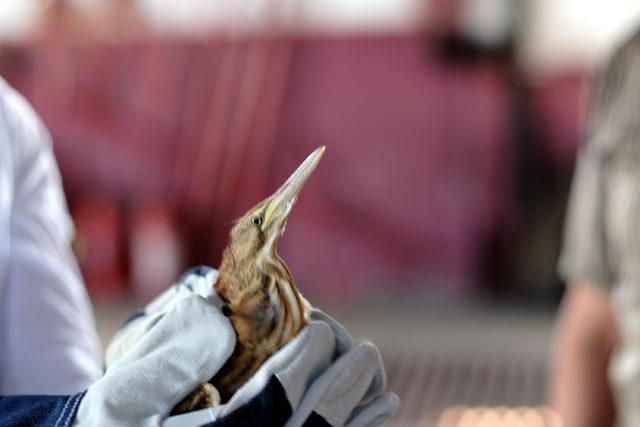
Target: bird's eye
<point>257,221</point>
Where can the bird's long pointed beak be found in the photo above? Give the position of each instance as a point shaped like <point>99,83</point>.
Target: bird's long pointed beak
<point>279,204</point>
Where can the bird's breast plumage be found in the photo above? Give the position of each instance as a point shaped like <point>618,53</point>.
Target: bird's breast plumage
<point>264,322</point>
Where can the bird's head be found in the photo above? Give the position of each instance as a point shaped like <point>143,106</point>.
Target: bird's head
<point>250,257</point>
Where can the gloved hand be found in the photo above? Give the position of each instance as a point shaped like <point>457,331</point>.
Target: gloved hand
<point>175,351</point>
<point>321,376</point>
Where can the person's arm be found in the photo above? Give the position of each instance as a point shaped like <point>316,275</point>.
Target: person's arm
<point>586,331</point>
<point>585,338</point>
<point>47,332</point>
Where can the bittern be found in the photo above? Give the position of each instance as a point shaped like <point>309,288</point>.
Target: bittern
<point>260,296</point>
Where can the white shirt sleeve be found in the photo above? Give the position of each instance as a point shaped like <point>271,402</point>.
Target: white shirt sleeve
<point>48,340</point>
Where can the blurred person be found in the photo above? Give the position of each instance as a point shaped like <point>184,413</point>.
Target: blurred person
<point>50,364</point>
<point>595,375</point>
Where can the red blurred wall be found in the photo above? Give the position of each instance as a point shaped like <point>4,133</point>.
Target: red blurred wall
<point>416,177</point>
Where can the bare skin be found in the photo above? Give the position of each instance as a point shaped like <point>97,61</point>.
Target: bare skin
<point>586,335</point>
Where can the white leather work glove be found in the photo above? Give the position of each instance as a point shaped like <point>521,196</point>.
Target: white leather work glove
<point>319,378</point>
<point>158,359</point>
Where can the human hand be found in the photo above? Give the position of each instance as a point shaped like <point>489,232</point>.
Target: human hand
<point>321,376</point>
<point>160,357</point>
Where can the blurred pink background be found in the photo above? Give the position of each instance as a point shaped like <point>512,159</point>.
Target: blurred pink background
<point>421,126</point>
<point>451,128</point>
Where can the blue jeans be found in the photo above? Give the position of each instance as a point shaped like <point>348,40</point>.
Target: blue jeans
<point>54,411</point>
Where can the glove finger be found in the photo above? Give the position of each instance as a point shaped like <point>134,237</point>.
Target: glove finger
<point>341,387</point>
<point>140,323</point>
<point>186,347</point>
<point>378,383</point>
<point>307,362</point>
<point>344,342</point>
<point>198,280</point>
<point>347,389</point>
<point>375,413</point>
<point>295,365</point>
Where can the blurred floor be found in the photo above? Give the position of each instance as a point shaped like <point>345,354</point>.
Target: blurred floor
<point>437,355</point>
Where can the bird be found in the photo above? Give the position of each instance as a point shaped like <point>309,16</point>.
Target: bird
<point>258,291</point>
